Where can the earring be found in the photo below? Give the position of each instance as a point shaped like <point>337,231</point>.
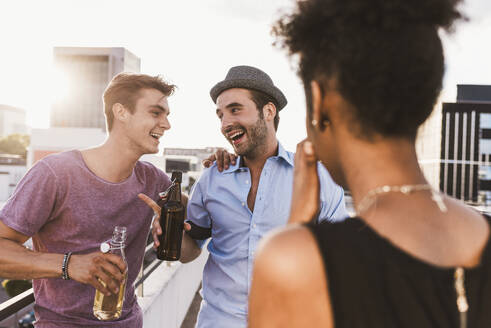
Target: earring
<point>314,122</point>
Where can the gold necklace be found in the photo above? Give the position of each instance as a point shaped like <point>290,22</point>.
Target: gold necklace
<point>371,196</point>
<point>370,199</point>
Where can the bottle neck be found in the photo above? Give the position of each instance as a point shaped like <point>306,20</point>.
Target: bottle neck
<point>117,248</point>
<point>116,244</point>
<point>118,238</point>
<point>175,192</point>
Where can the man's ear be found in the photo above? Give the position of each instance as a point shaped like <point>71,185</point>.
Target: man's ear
<point>120,112</point>
<point>269,111</point>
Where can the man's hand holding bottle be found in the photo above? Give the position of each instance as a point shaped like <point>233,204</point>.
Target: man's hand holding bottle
<point>156,228</point>
<point>105,272</point>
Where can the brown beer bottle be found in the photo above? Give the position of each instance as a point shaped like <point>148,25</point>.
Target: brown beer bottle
<point>172,222</point>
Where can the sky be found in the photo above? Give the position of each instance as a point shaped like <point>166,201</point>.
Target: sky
<point>191,43</point>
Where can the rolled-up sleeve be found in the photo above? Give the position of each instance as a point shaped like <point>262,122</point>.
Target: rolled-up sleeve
<point>332,204</point>
<point>33,202</point>
<point>197,215</point>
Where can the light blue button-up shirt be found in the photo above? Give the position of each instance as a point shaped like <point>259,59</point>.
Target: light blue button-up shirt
<point>219,202</point>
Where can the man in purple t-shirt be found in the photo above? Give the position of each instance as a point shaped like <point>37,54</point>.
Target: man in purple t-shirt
<point>70,202</point>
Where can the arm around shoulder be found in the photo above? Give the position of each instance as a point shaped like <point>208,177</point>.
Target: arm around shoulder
<point>289,287</point>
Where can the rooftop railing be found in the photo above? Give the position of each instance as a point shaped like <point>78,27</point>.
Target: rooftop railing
<point>19,302</point>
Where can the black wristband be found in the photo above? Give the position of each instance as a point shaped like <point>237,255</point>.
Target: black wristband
<point>64,266</point>
<point>198,232</point>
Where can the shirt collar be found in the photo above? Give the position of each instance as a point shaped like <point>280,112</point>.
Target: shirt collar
<point>282,154</point>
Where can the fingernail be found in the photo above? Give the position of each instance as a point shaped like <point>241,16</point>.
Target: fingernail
<point>307,148</point>
<point>116,290</point>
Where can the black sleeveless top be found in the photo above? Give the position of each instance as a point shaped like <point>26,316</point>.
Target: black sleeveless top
<point>374,284</point>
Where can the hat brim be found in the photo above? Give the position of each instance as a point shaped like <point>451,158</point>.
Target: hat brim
<point>268,89</point>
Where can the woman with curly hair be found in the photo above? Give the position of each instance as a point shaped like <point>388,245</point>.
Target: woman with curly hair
<point>411,257</point>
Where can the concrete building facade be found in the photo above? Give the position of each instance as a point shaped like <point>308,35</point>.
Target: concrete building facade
<point>87,71</point>
<point>465,168</point>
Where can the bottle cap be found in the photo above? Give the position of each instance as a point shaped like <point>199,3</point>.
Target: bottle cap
<point>105,247</point>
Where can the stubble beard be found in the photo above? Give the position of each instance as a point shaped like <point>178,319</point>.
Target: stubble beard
<point>256,136</point>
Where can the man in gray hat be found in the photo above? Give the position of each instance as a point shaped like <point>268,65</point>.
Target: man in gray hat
<point>235,207</point>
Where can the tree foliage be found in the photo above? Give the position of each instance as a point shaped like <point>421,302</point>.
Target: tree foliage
<point>15,144</point>
<point>15,287</point>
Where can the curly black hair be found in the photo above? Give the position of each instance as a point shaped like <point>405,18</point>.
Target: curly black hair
<point>385,55</point>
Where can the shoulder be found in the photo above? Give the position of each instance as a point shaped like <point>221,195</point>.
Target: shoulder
<point>63,159</point>
<point>146,166</point>
<point>289,258</point>
<point>56,164</point>
<point>209,174</point>
<point>201,185</point>
<point>348,233</point>
<point>290,268</point>
<point>146,171</point>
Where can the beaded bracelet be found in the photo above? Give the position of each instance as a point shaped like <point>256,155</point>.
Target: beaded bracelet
<point>64,266</point>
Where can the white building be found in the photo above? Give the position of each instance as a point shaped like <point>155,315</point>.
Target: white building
<point>12,120</point>
<point>86,73</point>
<point>12,169</point>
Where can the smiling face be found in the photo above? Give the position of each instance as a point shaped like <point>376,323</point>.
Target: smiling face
<point>241,122</point>
<point>148,122</point>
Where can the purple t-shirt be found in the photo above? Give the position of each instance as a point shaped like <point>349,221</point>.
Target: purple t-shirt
<point>67,208</point>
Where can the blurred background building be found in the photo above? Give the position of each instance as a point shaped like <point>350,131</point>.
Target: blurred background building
<point>454,146</point>
<point>86,73</point>
<point>77,118</point>
<point>187,160</point>
<point>12,120</point>
<point>12,169</point>
<point>13,128</point>
<point>465,171</point>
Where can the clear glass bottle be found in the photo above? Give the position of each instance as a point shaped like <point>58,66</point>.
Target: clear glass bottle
<point>110,307</point>
<point>172,222</point>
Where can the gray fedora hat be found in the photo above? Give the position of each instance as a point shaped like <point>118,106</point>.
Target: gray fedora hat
<point>248,77</point>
